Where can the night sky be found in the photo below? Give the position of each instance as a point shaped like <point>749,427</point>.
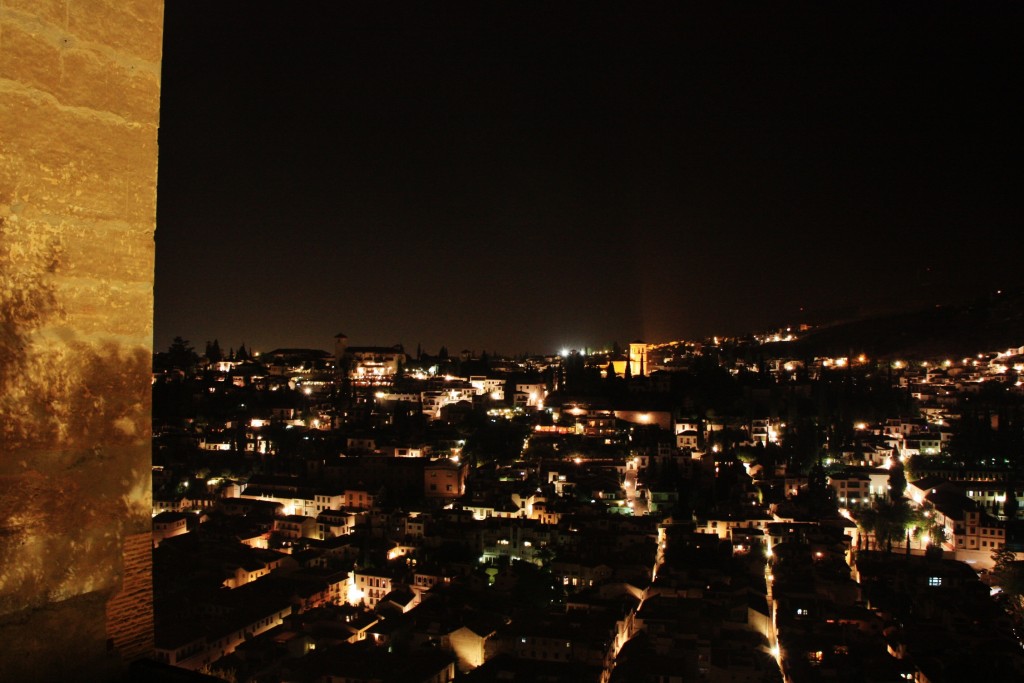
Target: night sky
<point>523,176</point>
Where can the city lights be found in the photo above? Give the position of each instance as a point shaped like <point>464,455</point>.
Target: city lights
<point>610,455</point>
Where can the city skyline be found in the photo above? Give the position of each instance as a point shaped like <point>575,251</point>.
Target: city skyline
<point>530,177</point>
<point>512,176</point>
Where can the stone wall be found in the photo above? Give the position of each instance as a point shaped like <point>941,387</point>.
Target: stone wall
<point>79,111</point>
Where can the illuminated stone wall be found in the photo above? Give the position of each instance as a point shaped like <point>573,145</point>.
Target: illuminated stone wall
<point>79,110</point>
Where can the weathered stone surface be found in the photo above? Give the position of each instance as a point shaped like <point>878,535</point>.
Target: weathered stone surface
<point>79,108</point>
<point>127,251</point>
<point>29,54</point>
<point>127,90</point>
<point>75,171</point>
<point>97,309</point>
<point>45,566</point>
<point>73,656</point>
<point>127,26</point>
<point>52,12</point>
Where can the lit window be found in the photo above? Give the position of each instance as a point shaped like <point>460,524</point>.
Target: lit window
<point>935,581</point>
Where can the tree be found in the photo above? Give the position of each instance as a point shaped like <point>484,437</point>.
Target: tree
<point>1011,506</point>
<point>1003,559</point>
<point>928,528</point>
<point>1009,574</point>
<point>897,481</point>
<point>818,497</point>
<point>227,674</point>
<point>213,352</point>
<point>544,556</point>
<point>888,520</point>
<point>913,466</point>
<point>181,355</point>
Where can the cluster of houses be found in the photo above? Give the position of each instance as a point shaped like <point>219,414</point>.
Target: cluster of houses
<point>657,595</point>
<point>586,597</point>
<point>398,561</point>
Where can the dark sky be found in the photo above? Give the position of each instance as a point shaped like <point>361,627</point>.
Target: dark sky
<point>522,176</point>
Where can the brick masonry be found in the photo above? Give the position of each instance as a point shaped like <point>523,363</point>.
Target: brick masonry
<point>130,610</point>
<point>79,114</point>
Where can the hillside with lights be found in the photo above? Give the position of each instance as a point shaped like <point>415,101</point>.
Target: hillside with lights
<point>956,330</point>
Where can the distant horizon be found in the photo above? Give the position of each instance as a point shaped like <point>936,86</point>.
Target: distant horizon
<point>456,350</point>
<point>529,176</point>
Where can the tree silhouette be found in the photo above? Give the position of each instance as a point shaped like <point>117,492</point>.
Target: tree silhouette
<point>181,355</point>
<point>888,520</point>
<point>1011,506</point>
<point>897,481</point>
<point>213,352</point>
<point>819,497</point>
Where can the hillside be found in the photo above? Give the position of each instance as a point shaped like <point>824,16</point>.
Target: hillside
<point>957,330</point>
